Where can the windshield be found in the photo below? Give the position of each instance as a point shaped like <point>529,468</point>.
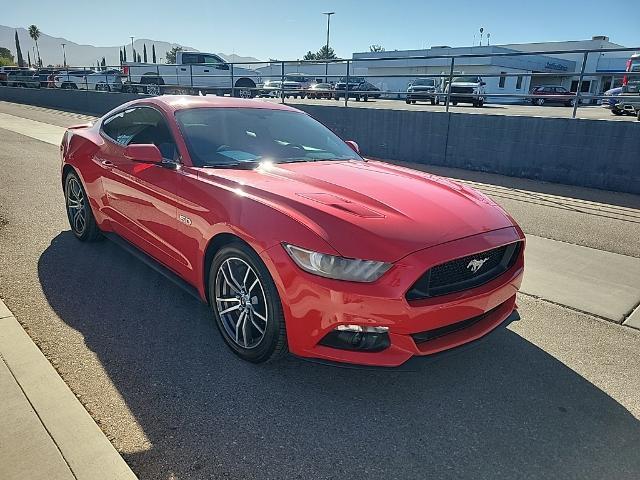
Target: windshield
<point>465,79</point>
<point>235,136</point>
<point>352,79</point>
<point>429,82</point>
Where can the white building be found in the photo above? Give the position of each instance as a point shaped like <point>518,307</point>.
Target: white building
<point>601,67</point>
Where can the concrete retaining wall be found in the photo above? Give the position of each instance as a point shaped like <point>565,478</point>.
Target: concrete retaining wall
<point>590,153</point>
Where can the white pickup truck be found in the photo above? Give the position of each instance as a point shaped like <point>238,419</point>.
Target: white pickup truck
<point>193,72</point>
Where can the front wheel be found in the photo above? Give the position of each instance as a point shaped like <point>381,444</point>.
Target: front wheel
<point>81,219</point>
<point>246,304</point>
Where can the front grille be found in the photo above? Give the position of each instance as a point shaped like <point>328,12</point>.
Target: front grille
<point>461,89</point>
<point>465,273</point>
<point>428,335</point>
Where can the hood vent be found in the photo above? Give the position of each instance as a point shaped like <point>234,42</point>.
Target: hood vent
<point>342,204</point>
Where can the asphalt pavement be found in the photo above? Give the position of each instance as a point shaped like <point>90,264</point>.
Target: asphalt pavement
<point>553,396</point>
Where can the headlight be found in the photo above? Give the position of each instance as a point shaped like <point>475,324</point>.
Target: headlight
<point>338,268</point>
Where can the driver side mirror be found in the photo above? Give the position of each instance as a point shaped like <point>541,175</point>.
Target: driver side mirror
<point>143,152</point>
<point>353,145</point>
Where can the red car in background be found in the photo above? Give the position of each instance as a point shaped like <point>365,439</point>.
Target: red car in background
<point>296,241</point>
<point>547,94</point>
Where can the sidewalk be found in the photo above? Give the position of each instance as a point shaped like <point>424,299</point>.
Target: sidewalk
<point>45,433</point>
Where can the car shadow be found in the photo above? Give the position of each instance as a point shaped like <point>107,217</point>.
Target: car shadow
<point>505,409</point>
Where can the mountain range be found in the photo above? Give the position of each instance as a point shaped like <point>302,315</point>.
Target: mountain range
<point>88,55</point>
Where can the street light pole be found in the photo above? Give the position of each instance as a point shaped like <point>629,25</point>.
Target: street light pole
<point>64,56</point>
<point>326,65</point>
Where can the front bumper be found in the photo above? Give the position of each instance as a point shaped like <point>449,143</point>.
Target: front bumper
<point>314,306</point>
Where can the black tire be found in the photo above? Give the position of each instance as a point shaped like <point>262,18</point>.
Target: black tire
<point>365,98</point>
<point>273,342</point>
<point>616,112</point>
<point>86,231</point>
<point>244,88</point>
<point>639,115</point>
<point>433,101</point>
<point>408,101</point>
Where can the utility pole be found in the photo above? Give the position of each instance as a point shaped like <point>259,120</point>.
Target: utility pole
<point>64,56</point>
<point>326,65</point>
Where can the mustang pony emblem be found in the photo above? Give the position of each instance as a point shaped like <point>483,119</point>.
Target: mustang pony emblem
<point>475,265</point>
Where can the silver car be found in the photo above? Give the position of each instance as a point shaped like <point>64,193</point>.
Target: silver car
<point>104,80</point>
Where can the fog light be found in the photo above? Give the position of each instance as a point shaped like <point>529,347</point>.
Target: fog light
<point>357,337</point>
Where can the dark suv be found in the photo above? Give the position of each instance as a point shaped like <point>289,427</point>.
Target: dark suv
<point>358,88</point>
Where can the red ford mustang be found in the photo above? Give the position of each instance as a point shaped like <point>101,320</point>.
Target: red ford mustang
<point>296,242</point>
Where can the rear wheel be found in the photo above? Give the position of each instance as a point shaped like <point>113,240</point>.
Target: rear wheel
<point>81,219</point>
<point>433,101</point>
<point>246,304</point>
<point>244,88</point>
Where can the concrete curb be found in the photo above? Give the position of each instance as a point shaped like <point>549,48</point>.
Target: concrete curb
<point>85,448</point>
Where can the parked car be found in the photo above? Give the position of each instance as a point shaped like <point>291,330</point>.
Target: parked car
<point>295,241</point>
<point>194,72</point>
<point>358,88</point>
<point>467,89</point>
<point>72,79</point>
<point>23,77</point>
<point>423,89</point>
<point>547,94</point>
<point>612,102</point>
<point>320,90</point>
<point>4,72</point>
<point>295,85</point>
<point>105,80</point>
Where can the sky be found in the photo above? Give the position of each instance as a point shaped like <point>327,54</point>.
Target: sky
<point>287,29</point>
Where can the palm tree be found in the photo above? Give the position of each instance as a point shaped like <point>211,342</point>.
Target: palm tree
<point>34,33</point>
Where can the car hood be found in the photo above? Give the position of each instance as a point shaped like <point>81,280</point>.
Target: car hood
<point>369,209</point>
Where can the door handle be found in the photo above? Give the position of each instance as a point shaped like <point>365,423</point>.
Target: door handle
<point>183,69</point>
<point>107,163</point>
<point>207,71</point>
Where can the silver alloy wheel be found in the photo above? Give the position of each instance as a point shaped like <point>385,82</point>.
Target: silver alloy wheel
<point>76,206</point>
<point>241,302</point>
<point>245,92</point>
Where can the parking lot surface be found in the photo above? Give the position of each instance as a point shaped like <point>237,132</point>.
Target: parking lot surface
<point>553,396</point>
<point>590,112</point>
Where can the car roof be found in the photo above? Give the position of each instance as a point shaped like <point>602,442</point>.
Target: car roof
<point>184,102</point>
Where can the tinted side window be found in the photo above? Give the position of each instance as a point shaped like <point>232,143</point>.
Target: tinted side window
<point>189,58</point>
<point>140,126</point>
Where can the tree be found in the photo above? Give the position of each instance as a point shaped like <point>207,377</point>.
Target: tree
<point>139,59</point>
<point>121,57</point>
<point>171,54</point>
<point>322,54</point>
<point>124,53</point>
<point>153,53</point>
<point>144,52</point>
<point>19,52</point>
<point>6,57</point>
<point>34,33</point>
<point>376,48</point>
<point>28,59</point>
<point>135,56</point>
<point>309,56</point>
<point>104,63</point>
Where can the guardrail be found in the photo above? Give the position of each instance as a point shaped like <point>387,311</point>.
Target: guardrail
<point>354,78</point>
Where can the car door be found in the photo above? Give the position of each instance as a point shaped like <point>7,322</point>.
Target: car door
<point>140,198</point>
